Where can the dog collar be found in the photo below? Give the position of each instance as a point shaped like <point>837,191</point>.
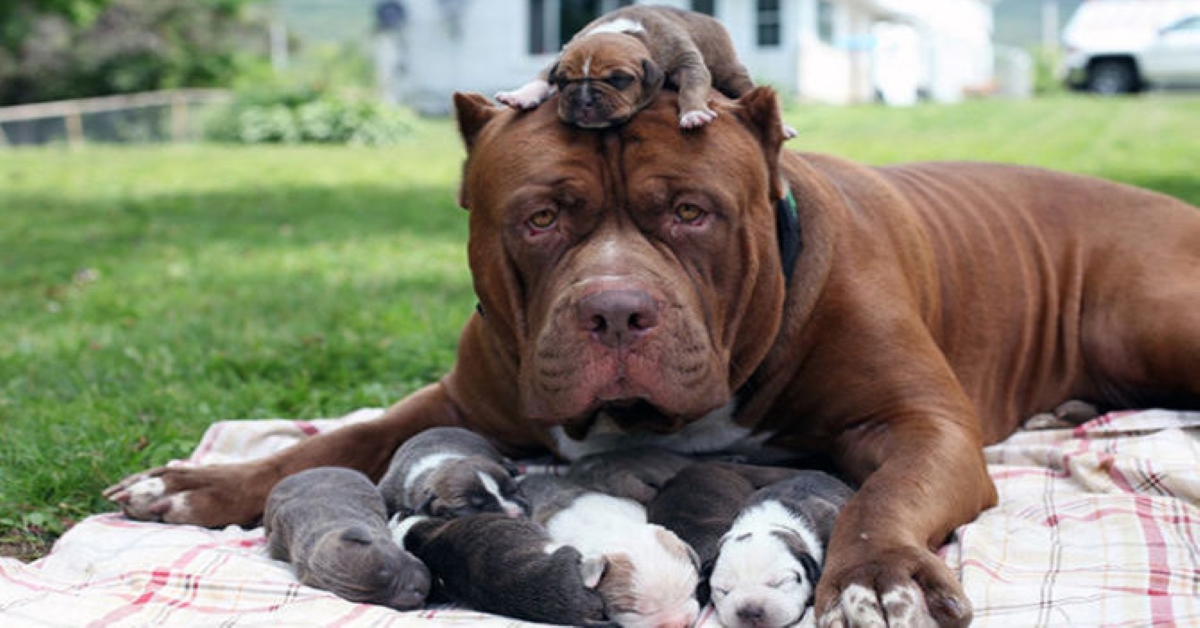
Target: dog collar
<point>787,230</point>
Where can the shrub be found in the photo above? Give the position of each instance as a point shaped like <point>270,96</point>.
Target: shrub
<point>294,117</point>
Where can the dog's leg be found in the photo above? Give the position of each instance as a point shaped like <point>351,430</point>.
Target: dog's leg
<point>218,495</point>
<point>694,83</point>
<point>929,477</point>
<point>527,96</point>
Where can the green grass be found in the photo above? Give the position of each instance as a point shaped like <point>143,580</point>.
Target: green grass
<point>149,291</point>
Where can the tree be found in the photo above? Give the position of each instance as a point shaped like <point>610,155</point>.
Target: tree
<point>52,49</point>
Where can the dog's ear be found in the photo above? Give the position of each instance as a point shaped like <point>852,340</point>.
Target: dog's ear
<point>652,78</point>
<point>552,76</point>
<point>591,569</point>
<point>758,111</point>
<point>473,112</point>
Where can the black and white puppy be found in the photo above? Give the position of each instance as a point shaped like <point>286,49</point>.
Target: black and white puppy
<point>768,564</point>
<point>450,472</point>
<point>331,525</point>
<point>650,575</point>
<point>505,565</point>
<point>701,502</point>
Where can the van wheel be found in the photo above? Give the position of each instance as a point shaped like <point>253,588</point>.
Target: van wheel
<point>1112,76</point>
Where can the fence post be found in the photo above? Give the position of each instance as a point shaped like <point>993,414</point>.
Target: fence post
<point>179,118</point>
<point>74,121</point>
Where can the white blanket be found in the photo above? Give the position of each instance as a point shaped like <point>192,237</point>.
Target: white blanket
<point>1097,525</point>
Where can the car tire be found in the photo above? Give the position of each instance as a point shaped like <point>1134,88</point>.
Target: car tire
<point>1109,77</point>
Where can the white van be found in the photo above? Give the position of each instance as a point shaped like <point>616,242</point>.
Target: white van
<point>1116,46</point>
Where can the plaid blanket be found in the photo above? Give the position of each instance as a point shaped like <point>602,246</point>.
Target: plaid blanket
<point>1097,525</point>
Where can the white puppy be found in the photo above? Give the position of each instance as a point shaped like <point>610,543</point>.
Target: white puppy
<point>769,562</point>
<point>650,576</point>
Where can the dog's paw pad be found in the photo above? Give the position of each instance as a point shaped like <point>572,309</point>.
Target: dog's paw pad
<point>898,607</point>
<point>697,119</point>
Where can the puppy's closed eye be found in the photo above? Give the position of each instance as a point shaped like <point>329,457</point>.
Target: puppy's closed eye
<point>619,80</point>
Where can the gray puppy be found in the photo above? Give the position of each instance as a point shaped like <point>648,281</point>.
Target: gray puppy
<point>769,562</point>
<point>636,473</point>
<point>508,566</point>
<point>450,472</point>
<point>331,525</point>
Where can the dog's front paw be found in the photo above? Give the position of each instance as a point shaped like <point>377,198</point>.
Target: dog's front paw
<point>527,96</point>
<point>210,496</point>
<point>696,118</point>
<point>900,588</point>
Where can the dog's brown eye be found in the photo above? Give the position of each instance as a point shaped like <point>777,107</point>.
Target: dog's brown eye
<point>688,213</point>
<point>543,219</point>
<point>620,80</point>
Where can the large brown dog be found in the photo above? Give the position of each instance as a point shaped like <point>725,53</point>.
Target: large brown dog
<point>631,282</point>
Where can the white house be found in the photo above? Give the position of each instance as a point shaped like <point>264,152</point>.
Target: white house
<point>835,51</point>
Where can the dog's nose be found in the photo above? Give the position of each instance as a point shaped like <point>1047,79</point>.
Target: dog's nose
<point>618,317</point>
<point>751,614</point>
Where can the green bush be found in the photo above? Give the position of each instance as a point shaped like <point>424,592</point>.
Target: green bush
<point>292,117</point>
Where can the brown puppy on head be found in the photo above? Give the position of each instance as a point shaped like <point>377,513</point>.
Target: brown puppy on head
<point>613,67</point>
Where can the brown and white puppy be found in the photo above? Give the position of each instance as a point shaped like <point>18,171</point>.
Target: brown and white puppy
<point>650,575</point>
<point>450,472</point>
<point>331,525</point>
<point>508,566</point>
<point>613,67</point>
<point>769,562</point>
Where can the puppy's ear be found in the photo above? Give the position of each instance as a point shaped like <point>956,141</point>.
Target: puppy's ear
<point>473,112</point>
<point>652,78</point>
<point>552,76</point>
<point>812,570</point>
<point>592,570</point>
<point>758,111</point>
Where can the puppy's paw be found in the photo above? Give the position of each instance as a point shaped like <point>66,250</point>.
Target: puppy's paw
<point>210,496</point>
<point>696,118</point>
<point>902,588</point>
<point>527,96</point>
<point>789,132</point>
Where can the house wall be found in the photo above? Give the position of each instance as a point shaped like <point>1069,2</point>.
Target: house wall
<point>486,48</point>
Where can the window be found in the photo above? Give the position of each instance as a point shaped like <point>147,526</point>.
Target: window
<point>704,6</point>
<point>552,23</point>
<point>769,21</point>
<point>825,21</point>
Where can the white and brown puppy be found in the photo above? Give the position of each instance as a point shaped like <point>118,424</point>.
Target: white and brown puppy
<point>650,575</point>
<point>330,524</point>
<point>613,67</point>
<point>450,472</point>
<point>769,562</point>
<point>505,565</point>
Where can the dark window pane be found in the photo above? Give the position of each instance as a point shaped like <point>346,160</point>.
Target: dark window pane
<point>574,16</point>
<point>537,27</point>
<point>704,6</point>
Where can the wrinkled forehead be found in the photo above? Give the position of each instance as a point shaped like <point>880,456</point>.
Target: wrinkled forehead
<point>535,148</point>
<point>601,53</point>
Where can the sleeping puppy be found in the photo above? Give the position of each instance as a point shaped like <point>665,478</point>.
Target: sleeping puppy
<point>509,566</point>
<point>616,65</point>
<point>701,502</point>
<point>450,472</point>
<point>636,473</point>
<point>331,525</point>
<point>650,576</point>
<point>769,562</point>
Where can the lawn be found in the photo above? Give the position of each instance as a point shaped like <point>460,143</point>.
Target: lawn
<point>149,291</point>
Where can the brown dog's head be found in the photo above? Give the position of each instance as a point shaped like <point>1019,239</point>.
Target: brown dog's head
<point>632,271</point>
<point>603,79</point>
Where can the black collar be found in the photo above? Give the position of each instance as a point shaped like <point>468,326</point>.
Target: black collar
<point>787,230</point>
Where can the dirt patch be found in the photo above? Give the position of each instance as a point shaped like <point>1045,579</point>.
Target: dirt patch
<point>24,549</point>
